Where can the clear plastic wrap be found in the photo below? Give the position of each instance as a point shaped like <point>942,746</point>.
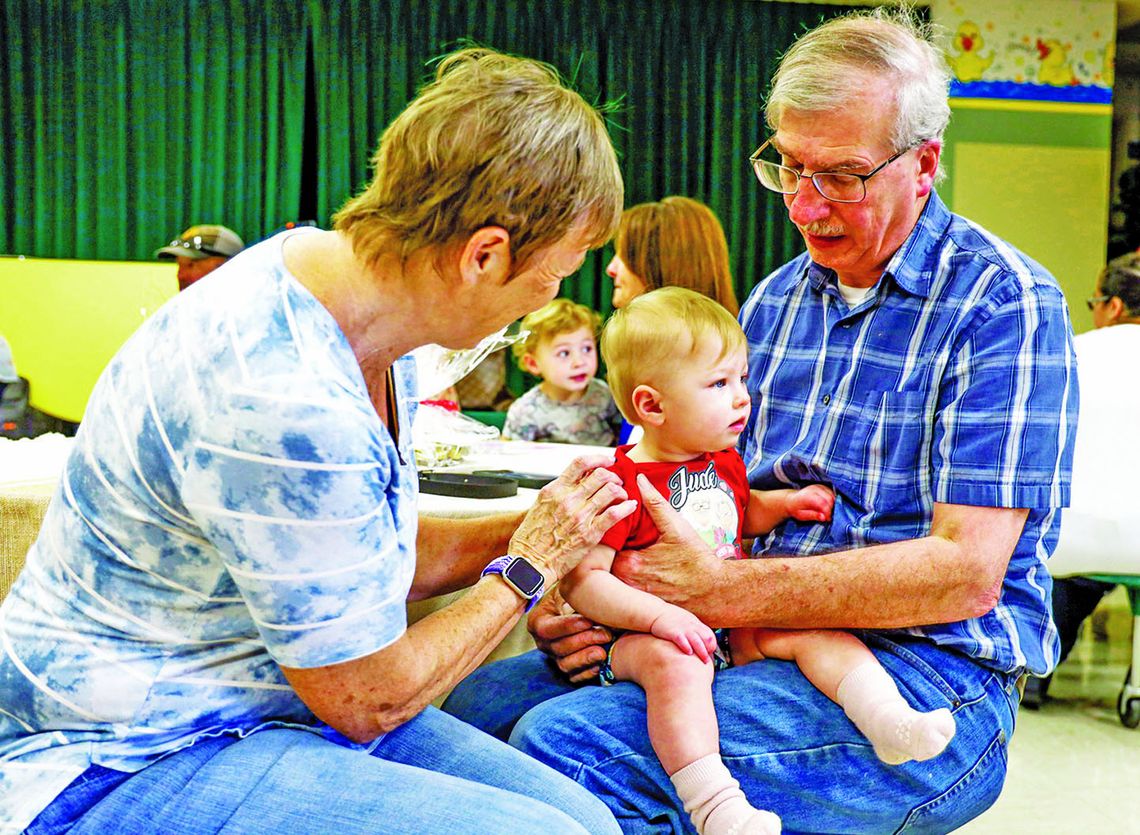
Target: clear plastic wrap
<point>443,436</point>
<point>438,368</point>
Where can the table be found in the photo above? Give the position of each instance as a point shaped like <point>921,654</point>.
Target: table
<point>29,470</point>
<point>520,456</point>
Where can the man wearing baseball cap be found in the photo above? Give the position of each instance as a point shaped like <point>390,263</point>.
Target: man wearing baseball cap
<point>200,250</point>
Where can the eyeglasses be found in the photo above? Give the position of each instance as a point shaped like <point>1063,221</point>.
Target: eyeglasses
<point>1095,300</point>
<point>199,243</point>
<point>832,185</point>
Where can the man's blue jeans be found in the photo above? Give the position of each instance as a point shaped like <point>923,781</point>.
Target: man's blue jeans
<point>792,749</point>
<point>430,775</point>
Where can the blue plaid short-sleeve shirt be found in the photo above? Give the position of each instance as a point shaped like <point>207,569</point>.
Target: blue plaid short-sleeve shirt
<point>953,381</point>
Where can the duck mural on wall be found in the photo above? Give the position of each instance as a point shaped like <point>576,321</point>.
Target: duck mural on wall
<point>1044,50</point>
<point>1055,68</point>
<point>969,64</point>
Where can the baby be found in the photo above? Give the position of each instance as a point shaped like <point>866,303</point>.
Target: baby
<point>677,364</point>
<point>570,405</point>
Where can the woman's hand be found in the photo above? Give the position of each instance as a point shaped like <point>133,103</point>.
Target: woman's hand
<point>679,566</point>
<point>570,516</point>
<point>576,643</point>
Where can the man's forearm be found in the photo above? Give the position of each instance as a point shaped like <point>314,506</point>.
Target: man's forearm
<point>910,583</point>
<point>953,574</point>
<point>451,553</point>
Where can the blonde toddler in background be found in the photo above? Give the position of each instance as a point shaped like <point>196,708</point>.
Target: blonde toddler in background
<point>570,405</point>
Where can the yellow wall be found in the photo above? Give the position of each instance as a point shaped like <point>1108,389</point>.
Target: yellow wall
<point>1029,146</point>
<point>65,319</point>
<point>1049,202</point>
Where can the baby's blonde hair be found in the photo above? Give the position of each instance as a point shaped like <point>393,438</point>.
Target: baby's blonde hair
<point>655,332</point>
<point>552,319</point>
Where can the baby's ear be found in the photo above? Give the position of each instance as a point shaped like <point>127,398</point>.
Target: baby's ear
<point>529,365</point>
<point>647,406</point>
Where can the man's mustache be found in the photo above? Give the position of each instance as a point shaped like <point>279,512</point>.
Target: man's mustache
<point>822,229</point>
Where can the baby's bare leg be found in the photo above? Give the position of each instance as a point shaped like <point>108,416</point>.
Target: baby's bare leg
<point>844,670</point>
<point>683,729</point>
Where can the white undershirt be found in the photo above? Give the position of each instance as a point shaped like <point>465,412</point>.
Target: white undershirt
<point>853,295</point>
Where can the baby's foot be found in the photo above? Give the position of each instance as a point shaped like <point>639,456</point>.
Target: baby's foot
<point>758,823</point>
<point>738,817</point>
<point>903,734</point>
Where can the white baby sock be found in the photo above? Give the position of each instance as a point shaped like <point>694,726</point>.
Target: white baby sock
<point>715,802</point>
<point>899,733</point>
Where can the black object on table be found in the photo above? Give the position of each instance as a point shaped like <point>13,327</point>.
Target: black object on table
<point>468,485</point>
<point>532,481</point>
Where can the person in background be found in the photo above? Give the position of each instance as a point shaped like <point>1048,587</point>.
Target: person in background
<point>210,633</point>
<point>674,242</point>
<point>18,418</point>
<point>921,368</point>
<point>199,251</point>
<point>13,395</point>
<point>569,405</point>
<point>678,362</point>
<point>7,364</point>
<point>1110,413</point>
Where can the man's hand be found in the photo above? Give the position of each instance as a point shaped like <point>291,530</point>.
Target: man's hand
<point>576,644</point>
<point>813,503</point>
<point>679,566</point>
<point>686,631</point>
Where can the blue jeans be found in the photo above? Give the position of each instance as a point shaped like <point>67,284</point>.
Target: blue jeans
<point>430,775</point>
<point>792,749</point>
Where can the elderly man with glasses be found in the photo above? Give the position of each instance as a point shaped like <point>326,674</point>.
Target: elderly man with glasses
<point>923,369</point>
<point>199,251</point>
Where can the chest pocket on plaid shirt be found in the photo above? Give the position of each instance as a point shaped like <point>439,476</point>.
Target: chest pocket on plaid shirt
<point>885,452</point>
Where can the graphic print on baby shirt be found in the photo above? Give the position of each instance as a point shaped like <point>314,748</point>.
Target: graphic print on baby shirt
<point>707,503</point>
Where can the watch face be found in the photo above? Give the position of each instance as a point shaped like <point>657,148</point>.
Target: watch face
<point>525,577</point>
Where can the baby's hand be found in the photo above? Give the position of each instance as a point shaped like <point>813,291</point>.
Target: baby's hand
<point>811,504</point>
<point>687,631</point>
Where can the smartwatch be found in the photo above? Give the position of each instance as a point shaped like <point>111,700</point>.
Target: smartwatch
<point>520,575</point>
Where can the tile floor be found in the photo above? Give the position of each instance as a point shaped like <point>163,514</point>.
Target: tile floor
<point>1073,767</point>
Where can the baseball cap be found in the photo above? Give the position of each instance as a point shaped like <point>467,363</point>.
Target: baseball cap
<point>202,242</point>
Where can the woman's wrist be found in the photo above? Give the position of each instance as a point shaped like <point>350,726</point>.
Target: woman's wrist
<point>539,560</point>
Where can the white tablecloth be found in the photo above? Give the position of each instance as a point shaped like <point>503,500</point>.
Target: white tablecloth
<point>31,466</point>
<point>519,456</point>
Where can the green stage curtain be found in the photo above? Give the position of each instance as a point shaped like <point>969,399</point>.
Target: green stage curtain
<point>125,121</point>
<point>688,77</point>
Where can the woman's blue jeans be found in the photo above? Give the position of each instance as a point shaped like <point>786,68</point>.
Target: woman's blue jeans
<point>792,749</point>
<point>431,775</point>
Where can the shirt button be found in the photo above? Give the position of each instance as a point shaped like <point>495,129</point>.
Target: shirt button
<point>826,399</point>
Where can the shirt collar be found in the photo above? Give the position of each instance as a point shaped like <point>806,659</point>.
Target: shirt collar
<point>911,267</point>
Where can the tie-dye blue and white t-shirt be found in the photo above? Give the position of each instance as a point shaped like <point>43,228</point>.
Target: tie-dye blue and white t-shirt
<point>233,502</point>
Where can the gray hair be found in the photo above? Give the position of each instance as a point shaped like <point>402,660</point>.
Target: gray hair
<point>1121,278</point>
<point>829,64</point>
